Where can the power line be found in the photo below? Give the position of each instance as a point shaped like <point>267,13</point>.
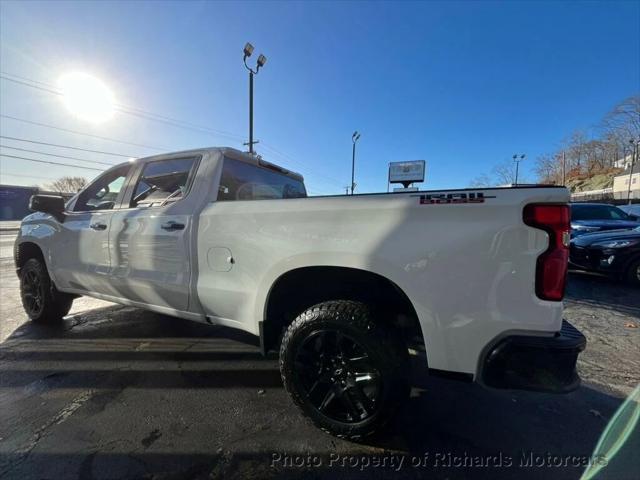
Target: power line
<point>66,146</point>
<point>50,163</point>
<point>20,82</point>
<point>149,116</point>
<point>136,112</point>
<point>266,146</point>
<point>76,132</point>
<point>55,155</point>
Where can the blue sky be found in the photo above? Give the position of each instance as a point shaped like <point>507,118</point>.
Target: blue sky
<point>463,85</point>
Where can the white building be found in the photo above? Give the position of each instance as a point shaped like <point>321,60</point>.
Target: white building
<point>624,162</point>
<point>621,183</point>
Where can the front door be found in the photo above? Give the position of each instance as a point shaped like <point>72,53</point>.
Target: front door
<point>149,239</point>
<point>80,255</point>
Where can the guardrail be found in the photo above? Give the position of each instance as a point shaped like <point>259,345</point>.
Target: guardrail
<point>606,195</point>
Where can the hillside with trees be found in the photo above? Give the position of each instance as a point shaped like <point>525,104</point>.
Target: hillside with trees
<point>589,163</point>
<point>582,162</point>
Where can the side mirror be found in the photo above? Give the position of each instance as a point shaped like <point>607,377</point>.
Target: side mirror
<point>50,204</point>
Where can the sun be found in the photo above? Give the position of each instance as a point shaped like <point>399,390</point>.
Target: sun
<point>87,97</point>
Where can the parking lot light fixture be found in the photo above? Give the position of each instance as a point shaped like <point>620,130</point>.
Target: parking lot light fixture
<point>354,138</point>
<point>248,50</point>
<point>517,158</point>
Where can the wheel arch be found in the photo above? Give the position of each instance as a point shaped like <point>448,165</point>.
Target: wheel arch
<point>297,289</point>
<point>25,251</point>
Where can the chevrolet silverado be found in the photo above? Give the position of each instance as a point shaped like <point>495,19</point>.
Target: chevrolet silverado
<point>353,291</point>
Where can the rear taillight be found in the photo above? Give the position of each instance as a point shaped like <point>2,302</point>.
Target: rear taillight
<point>551,268</point>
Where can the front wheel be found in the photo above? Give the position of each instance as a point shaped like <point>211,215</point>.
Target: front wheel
<point>633,273</point>
<point>344,370</point>
<point>41,300</point>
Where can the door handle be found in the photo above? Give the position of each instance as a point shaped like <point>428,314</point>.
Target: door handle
<point>98,226</point>
<point>172,226</point>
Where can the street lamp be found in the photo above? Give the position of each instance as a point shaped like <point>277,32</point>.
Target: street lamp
<point>517,158</point>
<point>248,50</point>
<point>354,138</point>
<point>634,157</point>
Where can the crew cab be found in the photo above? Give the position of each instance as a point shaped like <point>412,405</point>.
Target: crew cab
<point>352,291</point>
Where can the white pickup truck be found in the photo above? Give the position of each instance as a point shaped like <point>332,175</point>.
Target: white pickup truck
<point>354,291</point>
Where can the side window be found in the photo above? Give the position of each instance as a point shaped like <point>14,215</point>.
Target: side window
<point>163,181</point>
<point>244,181</point>
<point>103,192</point>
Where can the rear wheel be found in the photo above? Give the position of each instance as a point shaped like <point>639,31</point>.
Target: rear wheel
<point>633,272</point>
<point>344,370</point>
<point>41,300</point>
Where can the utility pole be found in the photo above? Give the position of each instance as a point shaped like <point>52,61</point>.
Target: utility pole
<point>634,155</point>
<point>248,50</point>
<point>564,169</point>
<point>517,158</point>
<point>354,138</point>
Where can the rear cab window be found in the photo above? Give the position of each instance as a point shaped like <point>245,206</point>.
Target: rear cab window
<point>163,181</point>
<point>244,181</point>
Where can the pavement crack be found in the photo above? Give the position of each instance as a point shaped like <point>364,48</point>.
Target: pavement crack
<point>23,452</point>
<point>151,438</point>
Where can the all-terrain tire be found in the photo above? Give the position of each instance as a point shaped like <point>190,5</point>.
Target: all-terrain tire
<point>42,302</point>
<point>360,402</point>
<point>633,273</point>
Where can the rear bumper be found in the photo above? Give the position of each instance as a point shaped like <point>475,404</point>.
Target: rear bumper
<point>546,364</point>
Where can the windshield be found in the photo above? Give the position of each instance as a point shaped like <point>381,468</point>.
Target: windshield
<point>597,212</point>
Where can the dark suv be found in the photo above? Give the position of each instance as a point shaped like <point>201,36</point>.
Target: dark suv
<point>596,217</point>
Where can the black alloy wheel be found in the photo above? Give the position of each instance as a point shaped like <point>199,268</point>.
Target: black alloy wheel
<point>41,300</point>
<point>346,370</point>
<point>338,376</point>
<point>32,293</point>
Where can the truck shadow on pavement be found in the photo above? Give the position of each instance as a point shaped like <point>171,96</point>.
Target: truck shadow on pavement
<point>167,398</point>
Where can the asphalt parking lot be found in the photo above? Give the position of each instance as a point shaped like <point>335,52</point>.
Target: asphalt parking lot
<point>116,392</point>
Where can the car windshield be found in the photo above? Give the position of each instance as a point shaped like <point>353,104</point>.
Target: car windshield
<point>597,212</point>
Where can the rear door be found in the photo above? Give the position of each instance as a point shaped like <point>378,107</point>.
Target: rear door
<point>149,239</point>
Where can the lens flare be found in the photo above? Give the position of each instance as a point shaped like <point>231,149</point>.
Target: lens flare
<point>87,97</point>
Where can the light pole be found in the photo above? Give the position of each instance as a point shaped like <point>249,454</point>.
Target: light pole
<point>634,157</point>
<point>517,158</point>
<point>248,50</point>
<point>354,138</point>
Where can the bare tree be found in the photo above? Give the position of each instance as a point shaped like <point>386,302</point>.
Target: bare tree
<point>623,120</point>
<point>482,180</point>
<point>501,174</point>
<point>547,169</point>
<point>67,184</point>
<point>577,150</point>
<point>584,156</point>
<point>504,173</point>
